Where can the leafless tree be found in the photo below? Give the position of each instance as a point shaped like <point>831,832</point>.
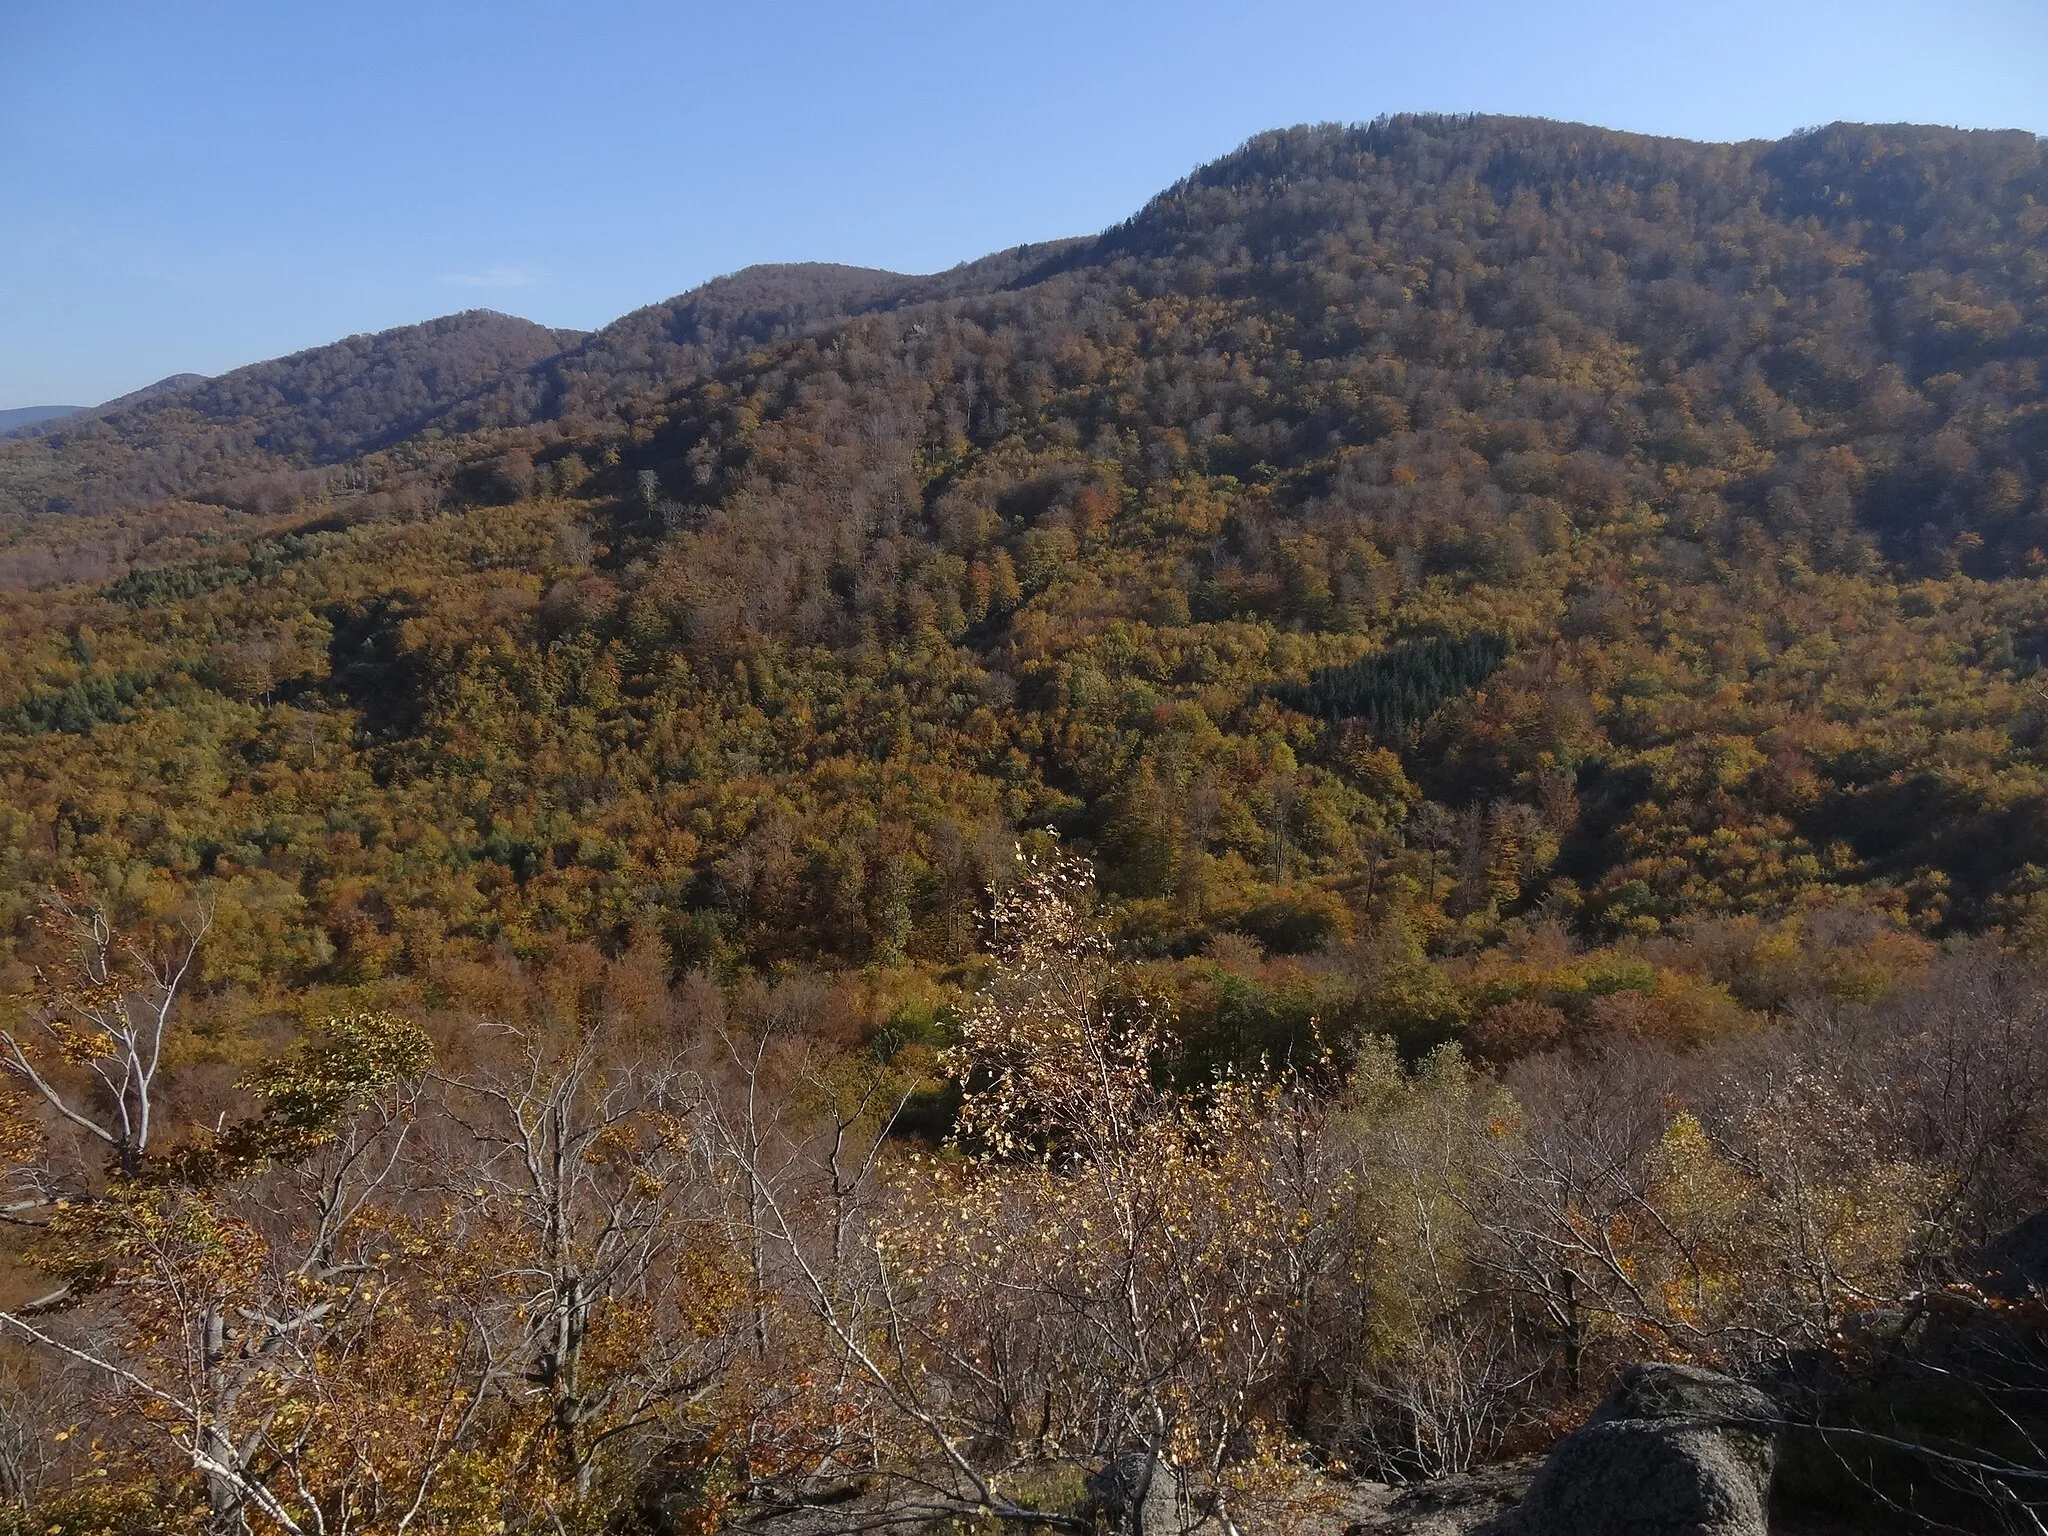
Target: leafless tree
<point>579,1166</point>
<point>102,1018</point>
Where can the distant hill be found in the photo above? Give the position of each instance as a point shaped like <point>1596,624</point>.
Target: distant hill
<point>312,408</point>
<point>641,356</point>
<point>28,415</point>
<point>42,425</point>
<point>454,376</point>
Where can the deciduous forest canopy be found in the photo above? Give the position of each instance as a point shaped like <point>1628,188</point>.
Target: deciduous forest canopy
<point>1458,597</point>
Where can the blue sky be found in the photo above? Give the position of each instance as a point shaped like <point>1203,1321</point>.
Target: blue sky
<point>189,187</point>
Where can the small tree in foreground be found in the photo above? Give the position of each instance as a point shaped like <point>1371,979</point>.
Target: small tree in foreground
<point>253,1300</point>
<point>1093,1276</point>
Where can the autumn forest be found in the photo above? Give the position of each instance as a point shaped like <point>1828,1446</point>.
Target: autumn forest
<point>1264,846</point>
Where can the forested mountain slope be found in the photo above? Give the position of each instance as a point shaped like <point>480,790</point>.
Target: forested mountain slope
<point>1728,460</point>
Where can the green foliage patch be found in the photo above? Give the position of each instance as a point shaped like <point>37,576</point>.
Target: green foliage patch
<point>1399,688</point>
<point>78,707</point>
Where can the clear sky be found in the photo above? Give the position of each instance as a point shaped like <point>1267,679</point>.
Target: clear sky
<point>190,186</point>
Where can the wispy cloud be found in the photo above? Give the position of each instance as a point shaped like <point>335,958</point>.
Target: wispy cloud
<point>496,277</point>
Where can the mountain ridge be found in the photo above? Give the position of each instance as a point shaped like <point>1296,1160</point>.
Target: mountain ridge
<point>665,344</point>
<point>644,352</point>
<point>621,370</point>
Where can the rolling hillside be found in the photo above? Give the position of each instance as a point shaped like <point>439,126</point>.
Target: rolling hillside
<point>1738,448</point>
<point>313,408</point>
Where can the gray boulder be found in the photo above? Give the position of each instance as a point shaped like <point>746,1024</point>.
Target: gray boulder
<point>1671,1451</point>
<point>1139,1494</point>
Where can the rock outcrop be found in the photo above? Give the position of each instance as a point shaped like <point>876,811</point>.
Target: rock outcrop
<point>1139,1494</point>
<point>1447,1506</point>
<point>1671,1451</point>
